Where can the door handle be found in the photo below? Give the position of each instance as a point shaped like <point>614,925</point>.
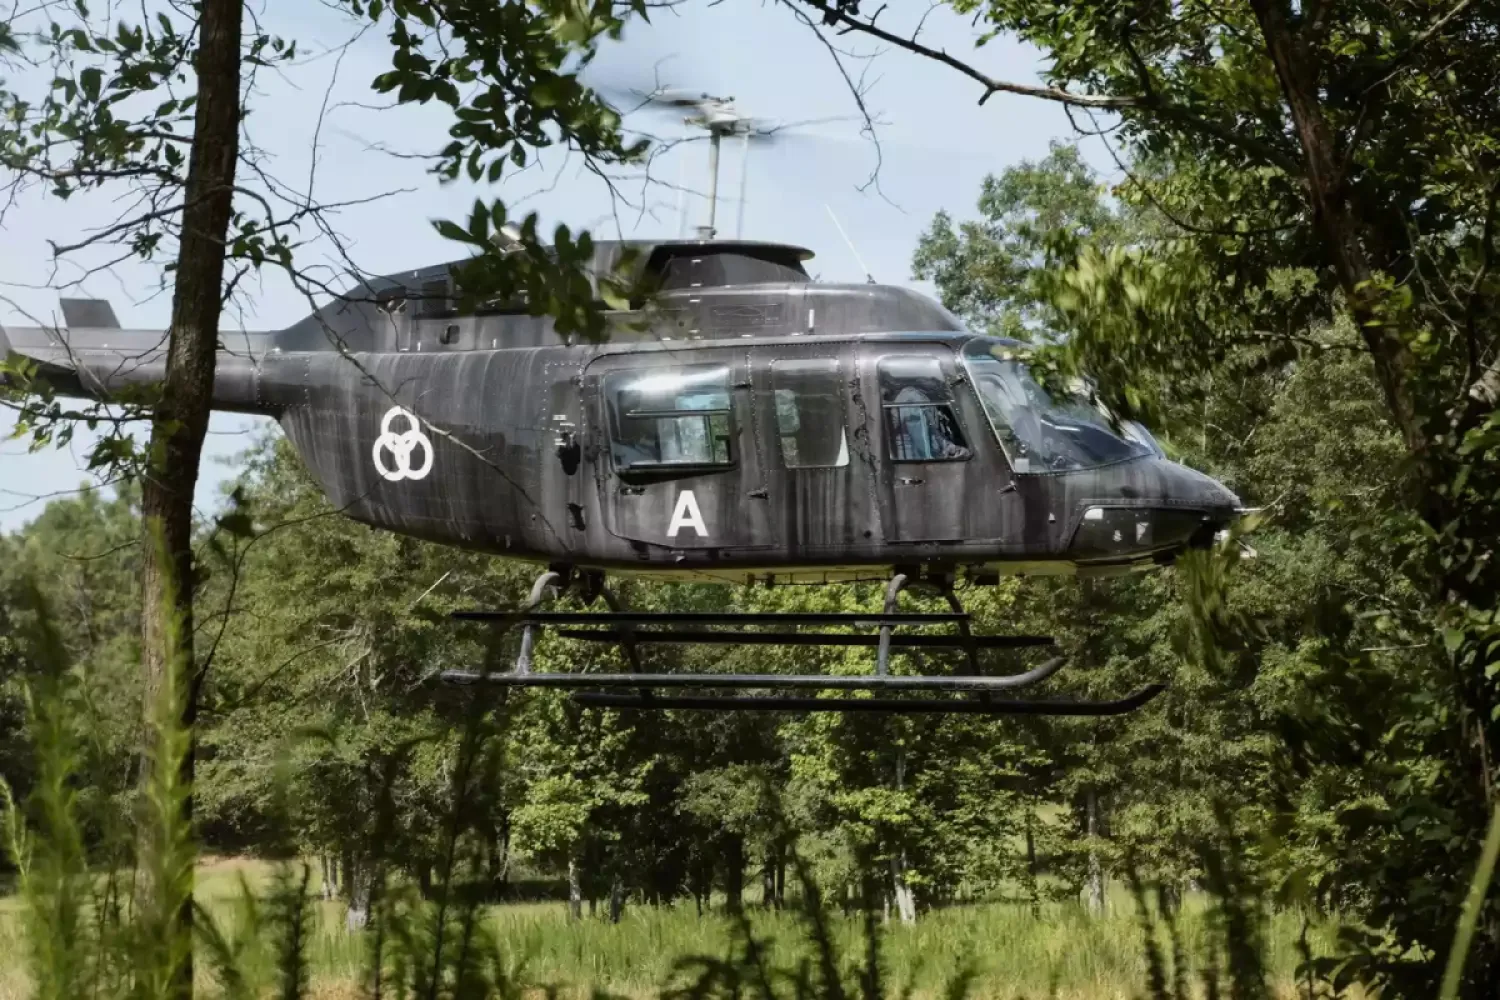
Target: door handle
<point>910,482</point>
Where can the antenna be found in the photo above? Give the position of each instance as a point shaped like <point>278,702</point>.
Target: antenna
<point>850,244</point>
<point>739,225</point>
<point>681,195</point>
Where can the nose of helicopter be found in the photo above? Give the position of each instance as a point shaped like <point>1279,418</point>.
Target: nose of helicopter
<point>1150,507</point>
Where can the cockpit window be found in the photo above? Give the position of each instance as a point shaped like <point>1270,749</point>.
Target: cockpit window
<point>920,422</point>
<point>1041,432</point>
<point>672,418</point>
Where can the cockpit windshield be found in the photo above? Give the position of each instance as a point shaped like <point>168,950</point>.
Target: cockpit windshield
<point>1041,431</point>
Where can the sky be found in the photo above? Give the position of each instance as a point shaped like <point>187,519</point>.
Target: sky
<point>322,128</point>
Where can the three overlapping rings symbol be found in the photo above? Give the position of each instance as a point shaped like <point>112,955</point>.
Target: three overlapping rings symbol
<point>401,447</point>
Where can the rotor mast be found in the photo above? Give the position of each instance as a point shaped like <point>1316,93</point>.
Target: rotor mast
<point>707,232</point>
<point>719,118</point>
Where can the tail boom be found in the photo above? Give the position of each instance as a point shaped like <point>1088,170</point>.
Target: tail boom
<point>107,362</point>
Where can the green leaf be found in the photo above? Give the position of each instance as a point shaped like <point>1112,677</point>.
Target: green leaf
<point>91,79</point>
<point>452,231</point>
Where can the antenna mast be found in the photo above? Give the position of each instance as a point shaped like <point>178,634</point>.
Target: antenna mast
<point>717,116</point>
<point>850,244</point>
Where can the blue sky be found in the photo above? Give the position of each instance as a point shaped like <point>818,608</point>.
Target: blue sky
<point>937,146</point>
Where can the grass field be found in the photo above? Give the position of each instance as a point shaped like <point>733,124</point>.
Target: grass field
<point>1082,957</point>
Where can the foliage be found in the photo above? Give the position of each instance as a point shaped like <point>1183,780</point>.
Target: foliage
<point>436,944</point>
<point>1325,176</point>
<point>111,110</point>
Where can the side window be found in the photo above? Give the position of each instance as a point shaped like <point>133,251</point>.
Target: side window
<point>665,418</point>
<point>810,414</point>
<point>920,422</point>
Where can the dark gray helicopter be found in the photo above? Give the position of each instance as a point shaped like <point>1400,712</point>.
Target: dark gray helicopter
<point>741,424</point>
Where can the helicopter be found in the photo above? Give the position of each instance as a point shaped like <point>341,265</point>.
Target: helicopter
<point>757,428</point>
<point>739,424</point>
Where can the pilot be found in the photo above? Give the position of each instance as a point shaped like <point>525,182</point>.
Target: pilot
<point>637,445</point>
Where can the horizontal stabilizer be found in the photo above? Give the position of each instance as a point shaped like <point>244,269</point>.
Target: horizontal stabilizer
<point>97,313</point>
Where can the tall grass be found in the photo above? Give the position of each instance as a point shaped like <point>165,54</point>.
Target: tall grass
<point>1013,953</point>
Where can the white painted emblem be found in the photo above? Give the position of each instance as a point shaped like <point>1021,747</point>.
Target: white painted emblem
<point>400,446</point>
<point>687,515</point>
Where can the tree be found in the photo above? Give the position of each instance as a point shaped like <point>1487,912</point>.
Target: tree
<point>520,89</point>
<point>1327,634</point>
<point>1336,135</point>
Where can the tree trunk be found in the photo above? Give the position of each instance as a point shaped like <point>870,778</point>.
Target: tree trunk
<point>734,874</point>
<point>358,913</point>
<point>703,881</point>
<point>768,879</point>
<point>499,859</point>
<point>906,901</point>
<point>356,888</point>
<point>780,876</point>
<point>906,904</point>
<point>575,890</point>
<point>178,426</point>
<point>1032,886</point>
<point>1096,869</point>
<point>330,876</point>
<point>616,898</point>
<point>1336,223</point>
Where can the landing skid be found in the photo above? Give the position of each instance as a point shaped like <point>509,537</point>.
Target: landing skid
<point>624,628</point>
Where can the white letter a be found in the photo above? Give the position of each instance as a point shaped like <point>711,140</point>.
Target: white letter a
<point>687,515</point>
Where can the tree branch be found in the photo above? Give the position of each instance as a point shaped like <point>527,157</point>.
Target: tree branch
<point>858,94</point>
<point>1483,387</point>
<point>1433,30</point>
<point>832,15</point>
<point>1257,148</point>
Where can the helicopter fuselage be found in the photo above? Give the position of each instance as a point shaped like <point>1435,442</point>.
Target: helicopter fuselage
<point>779,433</point>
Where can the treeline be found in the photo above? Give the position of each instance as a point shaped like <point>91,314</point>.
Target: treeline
<point>1293,674</point>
